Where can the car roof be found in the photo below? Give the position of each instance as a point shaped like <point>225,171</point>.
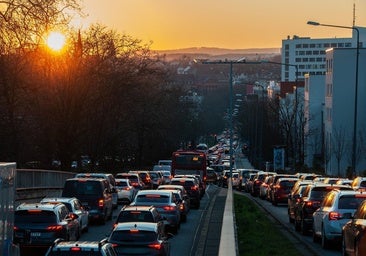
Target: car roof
<point>170,186</point>
<point>137,208</point>
<point>154,191</point>
<point>58,199</point>
<point>147,226</point>
<point>40,206</point>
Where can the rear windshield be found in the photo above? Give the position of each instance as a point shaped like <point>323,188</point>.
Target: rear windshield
<point>152,198</point>
<point>287,183</point>
<point>133,216</point>
<point>133,236</point>
<point>78,253</point>
<point>36,216</point>
<point>121,183</point>
<point>82,187</point>
<point>186,184</point>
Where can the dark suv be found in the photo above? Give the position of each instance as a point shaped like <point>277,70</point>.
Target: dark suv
<point>94,194</point>
<point>90,248</point>
<point>39,224</point>
<point>192,187</point>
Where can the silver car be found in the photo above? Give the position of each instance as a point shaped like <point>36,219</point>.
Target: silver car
<point>125,191</point>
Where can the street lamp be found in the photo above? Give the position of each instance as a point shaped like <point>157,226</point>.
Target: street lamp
<point>230,63</point>
<point>354,142</point>
<point>296,102</point>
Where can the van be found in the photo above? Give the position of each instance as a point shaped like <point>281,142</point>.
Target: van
<point>94,194</point>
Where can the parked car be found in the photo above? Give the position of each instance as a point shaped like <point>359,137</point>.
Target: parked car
<point>73,205</point>
<point>309,202</point>
<point>140,238</point>
<point>38,225</point>
<point>354,233</point>
<point>125,191</point>
<point>336,210</point>
<point>281,190</point>
<point>90,248</point>
<point>164,202</point>
<point>94,194</point>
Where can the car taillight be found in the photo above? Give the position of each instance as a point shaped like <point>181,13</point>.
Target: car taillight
<point>194,187</point>
<point>181,207</point>
<point>127,188</point>
<point>75,249</point>
<point>169,208</point>
<point>15,228</point>
<point>114,245</point>
<point>101,203</point>
<point>334,216</point>
<point>155,246</point>
<point>115,225</point>
<point>54,228</point>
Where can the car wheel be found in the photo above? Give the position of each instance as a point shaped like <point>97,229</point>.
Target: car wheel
<point>325,241</point>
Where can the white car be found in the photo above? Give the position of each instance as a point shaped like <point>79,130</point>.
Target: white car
<point>335,211</point>
<point>125,191</point>
<point>73,205</point>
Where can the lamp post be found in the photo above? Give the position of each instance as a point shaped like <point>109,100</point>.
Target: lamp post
<point>354,141</point>
<point>230,63</point>
<point>296,102</point>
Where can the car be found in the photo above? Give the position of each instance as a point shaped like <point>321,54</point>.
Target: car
<point>192,187</point>
<point>274,181</point>
<point>140,238</point>
<point>156,178</point>
<point>310,201</point>
<point>165,162</point>
<point>294,198</point>
<point>258,180</point>
<point>39,224</point>
<point>130,213</point>
<point>73,205</point>
<point>167,176</point>
<point>359,183</point>
<point>134,178</point>
<point>164,202</point>
<point>354,233</point>
<point>145,177</point>
<point>181,203</point>
<point>185,195</point>
<point>263,189</point>
<point>336,210</point>
<point>125,191</point>
<point>111,180</point>
<point>94,194</point>
<point>201,183</point>
<point>211,176</point>
<point>281,190</point>
<point>235,180</point>
<point>82,248</point>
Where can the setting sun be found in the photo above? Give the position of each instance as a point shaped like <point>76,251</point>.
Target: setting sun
<point>55,41</point>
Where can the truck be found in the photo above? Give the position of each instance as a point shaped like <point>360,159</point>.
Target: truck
<point>7,206</point>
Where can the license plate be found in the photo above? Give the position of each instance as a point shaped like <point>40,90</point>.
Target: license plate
<point>35,234</point>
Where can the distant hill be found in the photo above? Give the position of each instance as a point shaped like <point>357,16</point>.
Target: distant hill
<point>220,53</point>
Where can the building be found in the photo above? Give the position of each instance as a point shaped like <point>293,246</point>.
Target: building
<point>309,54</point>
<point>339,111</point>
<point>314,93</point>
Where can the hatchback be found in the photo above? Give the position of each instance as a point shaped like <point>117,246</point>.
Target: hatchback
<point>192,187</point>
<point>125,191</point>
<point>336,210</point>
<point>281,189</point>
<point>140,238</point>
<point>164,202</point>
<point>38,225</point>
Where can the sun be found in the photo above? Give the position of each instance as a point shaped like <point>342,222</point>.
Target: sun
<point>55,41</point>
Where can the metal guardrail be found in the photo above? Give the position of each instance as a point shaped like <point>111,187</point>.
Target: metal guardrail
<point>34,178</point>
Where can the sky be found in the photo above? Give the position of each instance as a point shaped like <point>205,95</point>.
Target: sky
<point>231,24</point>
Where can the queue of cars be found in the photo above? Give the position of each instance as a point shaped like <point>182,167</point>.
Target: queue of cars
<point>332,210</point>
<point>154,206</point>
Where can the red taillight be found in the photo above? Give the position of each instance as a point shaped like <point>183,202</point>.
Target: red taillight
<point>114,245</point>
<point>155,246</point>
<point>54,228</point>
<point>75,249</point>
<point>334,216</point>
<point>181,207</point>
<point>127,188</point>
<point>115,225</point>
<point>194,187</point>
<point>101,203</point>
<point>169,208</point>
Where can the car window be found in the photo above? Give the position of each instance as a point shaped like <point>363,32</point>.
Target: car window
<point>83,187</point>
<point>131,216</point>
<point>35,216</point>
<point>75,253</point>
<point>133,236</point>
<point>349,202</point>
<point>152,198</point>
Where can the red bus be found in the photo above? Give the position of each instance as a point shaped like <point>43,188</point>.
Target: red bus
<point>189,162</point>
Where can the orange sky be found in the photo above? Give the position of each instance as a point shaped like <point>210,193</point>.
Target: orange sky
<point>233,24</point>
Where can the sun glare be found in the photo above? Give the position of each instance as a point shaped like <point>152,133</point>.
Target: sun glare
<point>55,41</point>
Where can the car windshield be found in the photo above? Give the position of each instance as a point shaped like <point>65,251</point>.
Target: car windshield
<point>349,202</point>
<point>35,216</point>
<point>132,216</point>
<point>133,236</point>
<point>82,187</point>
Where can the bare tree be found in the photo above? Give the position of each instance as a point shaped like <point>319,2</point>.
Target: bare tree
<point>339,145</point>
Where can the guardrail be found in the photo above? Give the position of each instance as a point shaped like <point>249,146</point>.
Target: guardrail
<point>33,184</point>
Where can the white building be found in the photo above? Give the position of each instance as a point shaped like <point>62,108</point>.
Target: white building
<point>314,92</point>
<point>339,111</point>
<point>309,54</point>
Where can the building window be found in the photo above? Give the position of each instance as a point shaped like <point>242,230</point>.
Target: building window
<point>298,60</point>
<point>298,46</point>
<point>348,45</point>
<point>312,45</point>
<point>305,59</point>
<point>333,44</point>
<point>301,66</point>
<point>305,46</point>
<point>319,59</point>
<point>322,52</point>
<point>287,47</point>
<point>326,45</point>
<point>312,59</point>
<point>301,52</point>
<point>309,52</point>
<point>287,53</point>
<point>315,52</point>
<point>340,45</point>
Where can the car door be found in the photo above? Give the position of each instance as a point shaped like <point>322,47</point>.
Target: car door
<point>83,215</point>
<point>321,212</point>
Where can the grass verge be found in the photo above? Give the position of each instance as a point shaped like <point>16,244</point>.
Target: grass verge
<point>256,233</point>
